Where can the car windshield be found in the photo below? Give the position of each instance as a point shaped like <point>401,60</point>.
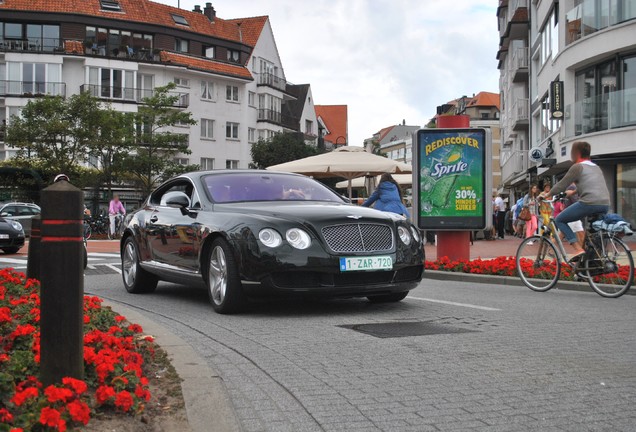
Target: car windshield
<point>229,188</point>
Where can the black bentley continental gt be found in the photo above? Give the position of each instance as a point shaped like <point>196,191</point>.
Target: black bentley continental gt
<point>253,233</point>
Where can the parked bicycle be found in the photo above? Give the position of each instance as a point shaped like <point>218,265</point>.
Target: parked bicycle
<point>607,265</point>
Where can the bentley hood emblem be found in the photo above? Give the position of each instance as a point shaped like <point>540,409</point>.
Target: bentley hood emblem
<point>354,217</point>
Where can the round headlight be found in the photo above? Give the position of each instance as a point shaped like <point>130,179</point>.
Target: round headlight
<point>416,233</point>
<point>15,225</point>
<point>404,234</point>
<point>270,238</point>
<point>298,238</point>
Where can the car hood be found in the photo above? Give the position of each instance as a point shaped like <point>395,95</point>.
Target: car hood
<point>316,212</point>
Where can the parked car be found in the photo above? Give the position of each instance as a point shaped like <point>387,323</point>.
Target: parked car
<point>11,236</point>
<point>21,212</point>
<point>247,233</point>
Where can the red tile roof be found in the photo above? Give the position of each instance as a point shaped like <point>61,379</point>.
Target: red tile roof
<point>485,99</point>
<point>335,118</point>
<point>250,28</point>
<point>205,65</point>
<point>384,132</point>
<point>148,12</point>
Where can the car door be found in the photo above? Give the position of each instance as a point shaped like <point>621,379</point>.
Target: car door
<point>25,215</point>
<point>172,236</point>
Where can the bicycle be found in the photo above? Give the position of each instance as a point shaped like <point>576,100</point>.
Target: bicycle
<point>119,219</point>
<point>607,265</point>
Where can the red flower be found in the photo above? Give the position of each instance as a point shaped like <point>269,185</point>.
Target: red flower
<point>17,430</point>
<point>79,411</point>
<point>52,418</point>
<point>135,328</point>
<point>54,394</point>
<point>103,394</point>
<point>142,393</point>
<point>21,397</point>
<point>23,330</point>
<point>120,318</point>
<point>5,315</point>
<point>78,386</point>
<point>124,400</point>
<point>87,319</point>
<point>5,416</point>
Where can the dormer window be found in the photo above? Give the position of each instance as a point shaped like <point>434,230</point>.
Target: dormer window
<point>233,56</point>
<point>180,20</point>
<point>110,5</point>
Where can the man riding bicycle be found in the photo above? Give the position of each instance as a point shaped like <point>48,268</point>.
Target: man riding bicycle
<point>115,209</point>
<point>594,197</point>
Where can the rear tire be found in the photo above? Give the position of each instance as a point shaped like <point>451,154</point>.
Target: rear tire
<point>538,263</point>
<point>11,250</point>
<point>613,285</point>
<point>136,280</point>
<point>222,278</point>
<point>388,298</point>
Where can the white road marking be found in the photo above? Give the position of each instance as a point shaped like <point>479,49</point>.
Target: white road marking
<point>472,306</point>
<point>12,261</point>
<point>112,267</point>
<point>104,254</point>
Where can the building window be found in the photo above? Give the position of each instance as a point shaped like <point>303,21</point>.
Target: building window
<point>182,161</point>
<point>207,164</point>
<point>182,82</point>
<point>232,130</point>
<point>589,16</point>
<point>547,125</point>
<point>209,52</point>
<point>231,164</point>
<point>251,99</point>
<point>232,93</point>
<point>207,128</point>
<point>32,79</point>
<point>111,83</point>
<point>30,37</point>
<point>110,5</point>
<point>233,56</point>
<point>207,90</point>
<point>145,86</point>
<point>181,45</point>
<point>112,42</point>
<point>626,191</point>
<point>178,19</point>
<point>309,127</point>
<point>251,135</point>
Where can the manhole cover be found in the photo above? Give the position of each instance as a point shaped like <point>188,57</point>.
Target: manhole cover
<point>406,329</point>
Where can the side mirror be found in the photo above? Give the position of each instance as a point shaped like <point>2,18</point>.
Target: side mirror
<point>5,214</point>
<point>177,200</point>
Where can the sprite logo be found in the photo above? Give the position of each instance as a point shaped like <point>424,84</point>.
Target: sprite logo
<point>454,166</point>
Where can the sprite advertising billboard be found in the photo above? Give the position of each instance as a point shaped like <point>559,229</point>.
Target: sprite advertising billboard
<point>452,179</point>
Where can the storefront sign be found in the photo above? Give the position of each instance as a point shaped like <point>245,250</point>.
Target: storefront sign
<point>556,100</point>
<point>453,178</point>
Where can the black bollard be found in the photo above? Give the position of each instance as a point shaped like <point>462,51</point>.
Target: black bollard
<point>62,279</point>
<point>33,262</point>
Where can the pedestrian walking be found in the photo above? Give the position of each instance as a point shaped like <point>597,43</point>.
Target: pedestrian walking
<point>115,210</point>
<point>531,202</point>
<point>387,197</point>
<point>499,209</point>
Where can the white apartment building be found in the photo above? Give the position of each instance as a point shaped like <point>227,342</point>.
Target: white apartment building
<point>228,72</point>
<point>590,47</point>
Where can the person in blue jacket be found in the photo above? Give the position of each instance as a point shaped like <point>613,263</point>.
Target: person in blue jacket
<point>387,197</point>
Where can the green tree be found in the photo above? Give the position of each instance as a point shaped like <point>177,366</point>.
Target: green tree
<point>54,133</point>
<point>281,148</point>
<point>155,147</point>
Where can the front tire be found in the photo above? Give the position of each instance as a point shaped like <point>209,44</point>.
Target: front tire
<point>11,250</point>
<point>388,298</point>
<point>136,280</point>
<point>224,284</point>
<point>538,263</point>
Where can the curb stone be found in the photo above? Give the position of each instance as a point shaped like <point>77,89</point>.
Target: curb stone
<point>208,405</point>
<point>504,280</point>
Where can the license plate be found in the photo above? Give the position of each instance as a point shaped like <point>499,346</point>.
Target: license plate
<point>4,236</point>
<point>366,263</point>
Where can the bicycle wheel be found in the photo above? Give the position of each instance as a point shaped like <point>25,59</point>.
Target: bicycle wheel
<point>612,275</point>
<point>538,263</point>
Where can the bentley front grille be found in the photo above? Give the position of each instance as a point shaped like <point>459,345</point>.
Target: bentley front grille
<point>358,238</point>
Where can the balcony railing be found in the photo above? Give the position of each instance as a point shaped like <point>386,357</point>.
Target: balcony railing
<point>74,46</point>
<point>513,163</point>
<point>593,15</point>
<point>271,80</point>
<point>520,114</point>
<point>519,65</point>
<point>32,89</point>
<point>132,95</point>
<point>278,118</point>
<point>609,111</point>
<point>32,44</point>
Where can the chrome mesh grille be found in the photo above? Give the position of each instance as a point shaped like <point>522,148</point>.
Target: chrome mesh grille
<point>358,238</point>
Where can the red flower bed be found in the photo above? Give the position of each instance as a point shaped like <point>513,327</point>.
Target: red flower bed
<point>114,356</point>
<point>507,266</point>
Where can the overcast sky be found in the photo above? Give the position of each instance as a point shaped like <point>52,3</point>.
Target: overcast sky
<point>387,60</point>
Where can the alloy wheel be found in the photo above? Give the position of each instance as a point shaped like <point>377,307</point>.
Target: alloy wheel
<point>218,275</point>
<point>129,264</point>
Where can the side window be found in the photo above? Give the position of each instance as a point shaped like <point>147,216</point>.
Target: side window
<point>183,186</point>
<point>11,210</point>
<point>25,211</point>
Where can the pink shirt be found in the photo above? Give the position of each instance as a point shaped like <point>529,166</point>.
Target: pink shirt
<point>116,207</point>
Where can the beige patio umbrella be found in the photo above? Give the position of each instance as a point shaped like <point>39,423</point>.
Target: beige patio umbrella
<point>348,162</point>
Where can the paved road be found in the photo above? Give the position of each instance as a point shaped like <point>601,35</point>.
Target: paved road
<point>503,359</point>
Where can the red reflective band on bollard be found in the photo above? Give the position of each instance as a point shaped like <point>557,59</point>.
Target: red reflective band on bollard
<point>62,222</point>
<point>61,239</point>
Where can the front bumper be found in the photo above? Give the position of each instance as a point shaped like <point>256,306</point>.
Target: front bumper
<point>12,241</point>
